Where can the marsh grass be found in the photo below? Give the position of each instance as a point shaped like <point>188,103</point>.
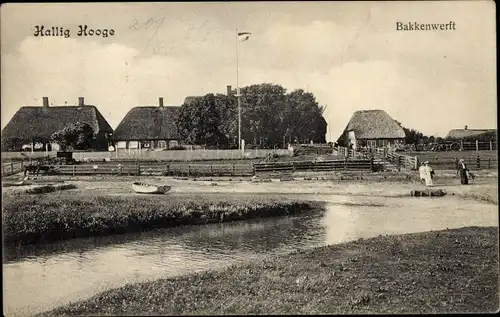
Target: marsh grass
<point>45,218</point>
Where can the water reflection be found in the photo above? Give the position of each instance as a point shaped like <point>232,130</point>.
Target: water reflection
<point>53,275</point>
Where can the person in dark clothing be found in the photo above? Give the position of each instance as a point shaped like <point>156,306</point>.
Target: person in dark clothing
<point>462,169</point>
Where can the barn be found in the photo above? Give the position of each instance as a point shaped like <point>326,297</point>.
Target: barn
<point>467,134</point>
<point>149,127</point>
<point>34,125</point>
<point>373,129</point>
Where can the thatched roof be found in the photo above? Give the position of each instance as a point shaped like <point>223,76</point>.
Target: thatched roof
<point>40,122</point>
<point>463,133</point>
<point>148,123</point>
<point>189,99</point>
<point>374,124</point>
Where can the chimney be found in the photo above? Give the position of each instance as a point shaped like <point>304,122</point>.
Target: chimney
<point>465,128</point>
<point>229,93</point>
<point>160,100</point>
<point>45,102</point>
<point>81,101</point>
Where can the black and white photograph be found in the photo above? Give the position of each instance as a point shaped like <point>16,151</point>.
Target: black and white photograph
<point>249,158</point>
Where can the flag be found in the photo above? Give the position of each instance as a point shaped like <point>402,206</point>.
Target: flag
<point>243,36</point>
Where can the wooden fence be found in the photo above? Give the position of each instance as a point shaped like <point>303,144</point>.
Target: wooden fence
<point>184,169</point>
<point>478,146</point>
<point>476,163</point>
<point>170,155</point>
<point>402,161</point>
<point>12,168</point>
<point>168,169</point>
<point>314,166</point>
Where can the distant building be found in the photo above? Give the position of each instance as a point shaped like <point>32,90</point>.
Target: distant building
<point>35,125</point>
<point>472,134</point>
<point>148,128</point>
<point>372,128</point>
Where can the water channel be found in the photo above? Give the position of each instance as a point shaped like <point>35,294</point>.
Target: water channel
<point>43,277</point>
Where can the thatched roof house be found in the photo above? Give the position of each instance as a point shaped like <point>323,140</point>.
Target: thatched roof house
<point>372,128</point>
<point>37,124</point>
<point>149,127</point>
<point>471,134</point>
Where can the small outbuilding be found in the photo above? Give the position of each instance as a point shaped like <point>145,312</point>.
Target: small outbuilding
<point>472,134</point>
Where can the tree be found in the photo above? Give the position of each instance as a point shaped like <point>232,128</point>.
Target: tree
<point>269,116</point>
<point>304,118</point>
<point>12,143</point>
<point>78,135</point>
<point>413,136</point>
<point>200,122</point>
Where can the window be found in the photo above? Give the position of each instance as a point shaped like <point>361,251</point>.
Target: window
<point>162,144</point>
<point>133,145</point>
<point>173,143</point>
<point>121,145</point>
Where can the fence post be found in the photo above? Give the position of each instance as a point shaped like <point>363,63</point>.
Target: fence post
<point>293,167</point>
<point>491,146</point>
<point>211,169</point>
<point>74,170</point>
<point>168,169</point>
<point>371,164</point>
<point>477,145</point>
<point>416,162</point>
<point>461,145</point>
<point>12,167</point>
<point>489,163</point>
<point>232,171</point>
<point>189,169</point>
<point>138,169</point>
<point>478,162</point>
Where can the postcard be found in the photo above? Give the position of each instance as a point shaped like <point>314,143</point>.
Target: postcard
<point>249,158</point>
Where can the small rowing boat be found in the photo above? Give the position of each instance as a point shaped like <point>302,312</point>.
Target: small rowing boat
<point>143,188</point>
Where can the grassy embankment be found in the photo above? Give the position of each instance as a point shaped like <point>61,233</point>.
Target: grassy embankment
<point>36,219</point>
<point>449,271</point>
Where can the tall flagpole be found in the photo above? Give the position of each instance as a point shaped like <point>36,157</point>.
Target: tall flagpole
<point>238,91</point>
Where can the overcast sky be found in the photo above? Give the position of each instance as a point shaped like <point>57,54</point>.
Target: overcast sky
<point>349,55</point>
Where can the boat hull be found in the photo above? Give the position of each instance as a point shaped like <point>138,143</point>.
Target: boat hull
<point>142,188</point>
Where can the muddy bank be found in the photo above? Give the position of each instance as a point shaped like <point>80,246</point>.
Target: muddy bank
<point>45,218</point>
<point>449,271</point>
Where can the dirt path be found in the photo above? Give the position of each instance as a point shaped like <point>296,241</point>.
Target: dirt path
<point>486,189</point>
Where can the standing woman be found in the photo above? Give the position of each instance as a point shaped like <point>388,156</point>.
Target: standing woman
<point>428,174</point>
<point>462,169</point>
<point>421,171</point>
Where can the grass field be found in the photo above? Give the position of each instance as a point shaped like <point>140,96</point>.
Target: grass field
<point>450,271</point>
<point>44,218</point>
<point>446,160</point>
